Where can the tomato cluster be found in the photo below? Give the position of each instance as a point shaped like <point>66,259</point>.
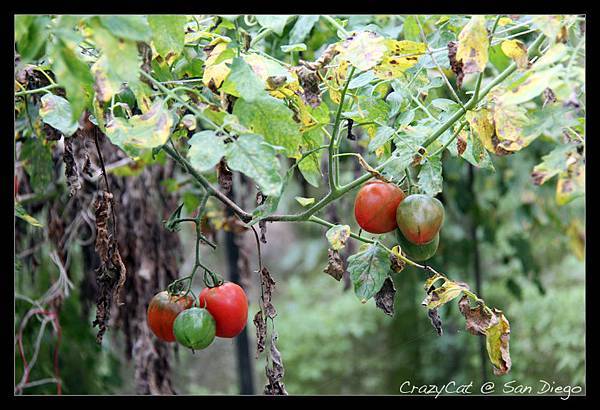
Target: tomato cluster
<point>222,312</point>
<point>382,207</point>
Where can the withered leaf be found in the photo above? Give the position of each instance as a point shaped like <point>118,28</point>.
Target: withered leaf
<point>261,332</point>
<point>335,265</point>
<point>396,263</point>
<point>225,176</point>
<point>456,66</point>
<point>478,320</point>
<point>384,299</point>
<point>275,373</point>
<point>71,171</point>
<point>268,285</point>
<point>436,321</point>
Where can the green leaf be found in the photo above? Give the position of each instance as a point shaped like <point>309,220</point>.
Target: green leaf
<point>31,36</point>
<point>554,163</point>
<point>206,150</point>
<point>302,28</point>
<point>243,82</point>
<point>304,201</point>
<point>383,135</point>
<point>274,22</point>
<point>171,223</point>
<point>168,33</point>
<point>430,175</point>
<point>410,29</point>
<point>550,120</point>
<point>56,112</point>
<point>130,27</point>
<point>21,213</point>
<point>361,80</point>
<point>310,167</point>
<point>74,75</point>
<point>272,119</point>
<point>293,48</point>
<point>141,131</point>
<point>250,155</point>
<point>38,164</point>
<point>337,236</point>
<point>368,270</point>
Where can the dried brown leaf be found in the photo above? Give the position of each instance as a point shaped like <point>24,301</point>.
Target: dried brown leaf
<point>436,321</point>
<point>225,176</point>
<point>335,265</point>
<point>275,373</point>
<point>456,66</point>
<point>261,332</point>
<point>384,299</point>
<point>268,285</point>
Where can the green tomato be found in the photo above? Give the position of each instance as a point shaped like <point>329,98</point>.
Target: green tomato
<point>417,253</point>
<point>195,328</point>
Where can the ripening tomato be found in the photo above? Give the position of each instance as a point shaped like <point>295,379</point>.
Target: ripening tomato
<point>420,218</point>
<point>417,253</point>
<point>195,328</point>
<point>375,206</point>
<point>228,304</point>
<point>162,311</point>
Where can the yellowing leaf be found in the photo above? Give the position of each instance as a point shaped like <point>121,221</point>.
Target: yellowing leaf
<point>363,49</point>
<point>280,82</point>
<point>337,236</point>
<point>473,44</point>
<point>335,78</point>
<point>482,125</point>
<point>504,21</point>
<point>517,51</point>
<point>571,183</point>
<point>215,74</point>
<point>509,121</point>
<point>497,338</point>
<point>533,86</point>
<point>442,294</point>
<point>399,57</point>
<point>549,25</point>
<point>576,234</point>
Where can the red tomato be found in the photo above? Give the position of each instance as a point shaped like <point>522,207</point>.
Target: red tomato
<point>375,206</point>
<point>162,311</point>
<point>228,304</point>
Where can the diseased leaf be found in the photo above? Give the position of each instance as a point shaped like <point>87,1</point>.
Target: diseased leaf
<point>442,294</point>
<point>140,132</point>
<point>335,265</point>
<point>436,321</point>
<point>571,183</point>
<point>399,57</point>
<point>533,86</point>
<point>206,150</point>
<point>554,163</point>
<point>38,164</point>
<point>482,126</point>
<point>473,45</point>
<point>368,270</point>
<point>430,175</point>
<point>168,34</point>
<point>384,299</point>
<point>56,112</point>
<point>509,121</point>
<point>516,50</point>
<point>497,338</point>
<point>270,118</point>
<point>337,236</point>
<point>250,155</point>
<point>363,49</point>
<point>215,71</point>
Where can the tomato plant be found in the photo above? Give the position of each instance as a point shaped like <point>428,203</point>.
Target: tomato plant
<point>420,218</point>
<point>228,304</point>
<point>375,206</point>
<point>194,328</point>
<point>162,312</point>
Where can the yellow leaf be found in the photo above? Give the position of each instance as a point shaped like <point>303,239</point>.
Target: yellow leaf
<point>504,21</point>
<point>534,84</point>
<point>399,57</point>
<point>576,234</point>
<point>509,121</point>
<point>442,294</point>
<point>337,236</point>
<point>335,78</point>
<point>482,125</point>
<point>473,46</point>
<point>215,74</point>
<point>517,51</point>
<point>497,338</point>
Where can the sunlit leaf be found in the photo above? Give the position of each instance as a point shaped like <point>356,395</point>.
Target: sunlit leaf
<point>516,50</point>
<point>363,49</point>
<point>168,33</point>
<point>532,87</point>
<point>399,57</point>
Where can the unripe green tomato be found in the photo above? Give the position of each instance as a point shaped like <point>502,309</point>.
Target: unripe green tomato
<point>195,328</point>
<point>420,218</point>
<point>417,253</point>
